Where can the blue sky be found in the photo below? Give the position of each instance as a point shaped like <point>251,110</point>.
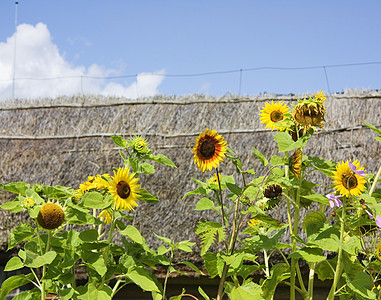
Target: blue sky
<point>124,37</point>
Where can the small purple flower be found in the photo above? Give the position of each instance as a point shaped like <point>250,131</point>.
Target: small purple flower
<point>378,221</point>
<point>353,168</point>
<point>368,212</point>
<point>334,200</point>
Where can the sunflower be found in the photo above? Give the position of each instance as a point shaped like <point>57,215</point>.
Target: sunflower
<point>51,216</point>
<point>125,189</point>
<point>209,150</point>
<point>347,181</point>
<point>94,183</point>
<point>28,202</point>
<point>297,163</point>
<point>273,113</point>
<point>105,216</point>
<point>253,222</point>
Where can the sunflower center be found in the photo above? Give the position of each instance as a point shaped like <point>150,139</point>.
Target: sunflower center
<point>350,182</point>
<point>276,116</point>
<point>123,189</point>
<point>207,149</point>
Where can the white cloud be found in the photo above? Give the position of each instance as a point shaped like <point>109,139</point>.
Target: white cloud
<point>41,71</point>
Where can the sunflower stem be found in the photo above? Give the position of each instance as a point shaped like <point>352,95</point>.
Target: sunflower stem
<point>338,270</point>
<point>107,249</point>
<point>43,292</point>
<point>221,198</point>
<point>375,181</point>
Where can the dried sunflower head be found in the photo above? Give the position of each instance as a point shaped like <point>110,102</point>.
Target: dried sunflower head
<point>310,112</point>
<point>51,216</point>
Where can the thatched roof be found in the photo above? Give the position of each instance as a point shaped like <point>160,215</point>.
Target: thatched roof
<point>62,141</point>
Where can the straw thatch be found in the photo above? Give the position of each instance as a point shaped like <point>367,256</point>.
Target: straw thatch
<point>62,141</point>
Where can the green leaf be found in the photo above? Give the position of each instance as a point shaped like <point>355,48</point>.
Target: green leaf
<point>88,236</point>
<point>209,232</point>
<point>80,216</point>
<point>93,200</point>
<point>193,267</point>
<point>12,205</point>
<point>212,264</point>
<point>90,292</point>
<point>165,240</point>
<point>21,233</point>
<point>248,290</point>
<point>202,293</point>
<point>32,294</point>
<point>261,157</point>
<point>328,238</point>
<point>16,187</point>
<point>361,285</point>
<point>13,283</point>
<point>309,254</point>
<point>133,234</point>
<point>259,214</point>
<point>146,168</point>
<point>119,141</point>
<point>184,246</point>
<point>276,160</point>
<point>325,269</point>
<point>373,128</point>
<point>312,222</point>
<point>286,143</point>
<point>278,273</point>
<point>199,191</point>
<point>33,260</point>
<point>205,204</point>
<point>56,192</point>
<point>162,159</point>
<point>318,198</point>
<point>14,263</point>
<point>234,188</point>
<point>143,278</point>
<point>147,197</point>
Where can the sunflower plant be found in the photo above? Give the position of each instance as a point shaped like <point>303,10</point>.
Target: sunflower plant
<point>338,239</point>
<point>74,230</point>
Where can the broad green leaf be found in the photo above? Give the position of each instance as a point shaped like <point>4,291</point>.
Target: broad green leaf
<point>248,290</point>
<point>21,233</point>
<point>286,143</point>
<point>314,217</point>
<point>32,294</point>
<point>165,240</point>
<point>146,168</point>
<point>162,159</point>
<point>12,205</point>
<point>234,188</point>
<point>143,278</point>
<point>352,245</point>
<point>328,238</point>
<point>261,157</point>
<point>257,213</point>
<point>133,234</point>
<point>318,198</point>
<point>78,216</point>
<point>309,254</point>
<point>90,292</point>
<point>278,273</point>
<point>99,265</point>
<point>14,282</point>
<point>362,285</point>
<point>16,187</point>
<point>199,191</point>
<point>119,141</point>
<point>33,260</point>
<point>56,192</point>
<point>276,160</point>
<point>93,200</point>
<point>14,263</point>
<point>212,264</point>
<point>90,235</point>
<point>325,269</point>
<point>204,204</point>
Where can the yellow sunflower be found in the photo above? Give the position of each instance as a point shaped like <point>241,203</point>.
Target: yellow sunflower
<point>209,150</point>
<point>349,181</point>
<point>273,113</point>
<point>125,189</point>
<point>105,216</point>
<point>97,182</point>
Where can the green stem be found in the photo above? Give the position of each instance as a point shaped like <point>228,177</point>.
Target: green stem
<point>267,271</point>
<point>43,292</point>
<point>107,249</point>
<point>311,277</point>
<point>230,249</point>
<point>221,198</point>
<point>375,181</point>
<point>339,257</point>
<point>167,275</point>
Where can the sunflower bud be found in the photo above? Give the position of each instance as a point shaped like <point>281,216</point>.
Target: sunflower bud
<point>28,203</point>
<point>139,144</point>
<point>51,216</point>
